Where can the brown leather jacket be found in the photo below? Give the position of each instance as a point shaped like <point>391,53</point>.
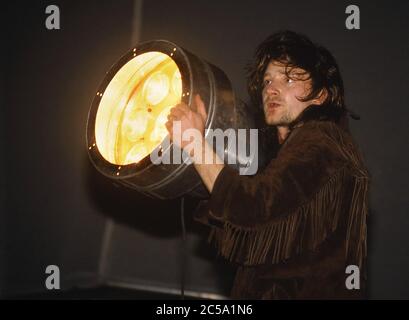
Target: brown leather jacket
<point>294,227</point>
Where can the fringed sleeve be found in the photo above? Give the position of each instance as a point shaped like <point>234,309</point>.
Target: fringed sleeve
<point>293,204</point>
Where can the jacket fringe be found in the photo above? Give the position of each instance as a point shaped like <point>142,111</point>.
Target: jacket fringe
<point>308,226</point>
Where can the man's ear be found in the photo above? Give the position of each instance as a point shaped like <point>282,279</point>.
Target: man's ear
<point>321,97</point>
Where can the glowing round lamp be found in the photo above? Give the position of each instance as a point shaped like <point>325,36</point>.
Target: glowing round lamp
<point>126,121</point>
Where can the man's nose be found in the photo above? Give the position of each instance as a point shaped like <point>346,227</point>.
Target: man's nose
<point>272,89</point>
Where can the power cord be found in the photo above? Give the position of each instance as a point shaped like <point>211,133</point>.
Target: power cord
<point>183,271</point>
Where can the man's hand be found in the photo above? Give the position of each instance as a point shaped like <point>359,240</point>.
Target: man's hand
<point>195,118</point>
<point>190,118</point>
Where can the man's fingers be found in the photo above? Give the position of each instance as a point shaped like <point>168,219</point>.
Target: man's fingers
<point>176,112</point>
<point>184,107</point>
<point>183,110</point>
<point>200,107</point>
<point>169,127</point>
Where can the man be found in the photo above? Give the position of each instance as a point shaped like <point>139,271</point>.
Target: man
<point>295,227</point>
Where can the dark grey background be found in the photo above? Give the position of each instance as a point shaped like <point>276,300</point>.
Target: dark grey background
<point>56,209</point>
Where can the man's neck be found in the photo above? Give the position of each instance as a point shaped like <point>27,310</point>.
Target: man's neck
<point>283,132</point>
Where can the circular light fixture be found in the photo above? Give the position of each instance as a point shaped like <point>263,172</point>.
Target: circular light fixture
<point>126,121</point>
<point>131,103</point>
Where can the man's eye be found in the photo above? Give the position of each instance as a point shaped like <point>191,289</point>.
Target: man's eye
<point>266,82</point>
<point>289,80</point>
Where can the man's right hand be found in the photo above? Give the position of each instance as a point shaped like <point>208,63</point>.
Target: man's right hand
<point>193,118</point>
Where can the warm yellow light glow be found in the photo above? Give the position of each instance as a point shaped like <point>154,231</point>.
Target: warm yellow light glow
<point>156,88</point>
<point>159,130</point>
<point>177,82</point>
<point>131,117</point>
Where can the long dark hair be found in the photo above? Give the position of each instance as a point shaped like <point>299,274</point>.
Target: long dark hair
<point>296,50</point>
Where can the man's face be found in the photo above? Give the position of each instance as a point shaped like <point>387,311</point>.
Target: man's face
<point>280,94</point>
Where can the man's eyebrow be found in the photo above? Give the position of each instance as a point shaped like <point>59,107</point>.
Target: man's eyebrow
<point>269,74</point>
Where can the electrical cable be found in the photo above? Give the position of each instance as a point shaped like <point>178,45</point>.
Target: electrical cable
<point>183,265</point>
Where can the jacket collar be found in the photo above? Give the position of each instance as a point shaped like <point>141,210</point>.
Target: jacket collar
<point>321,113</point>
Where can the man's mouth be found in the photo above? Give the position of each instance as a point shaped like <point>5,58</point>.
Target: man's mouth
<point>272,105</point>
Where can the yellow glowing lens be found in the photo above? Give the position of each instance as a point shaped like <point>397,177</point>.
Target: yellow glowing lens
<point>131,117</point>
<point>156,88</point>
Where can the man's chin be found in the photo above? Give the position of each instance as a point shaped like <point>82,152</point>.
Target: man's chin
<point>271,121</point>
<point>272,117</point>
<point>277,120</point>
